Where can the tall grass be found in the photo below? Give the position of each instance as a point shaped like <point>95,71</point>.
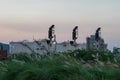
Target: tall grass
<point>64,66</point>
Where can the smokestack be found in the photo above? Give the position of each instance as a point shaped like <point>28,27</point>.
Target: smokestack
<point>75,33</point>
<point>97,34</point>
<point>51,32</point>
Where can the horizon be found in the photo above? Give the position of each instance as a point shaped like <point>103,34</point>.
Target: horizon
<point>28,19</point>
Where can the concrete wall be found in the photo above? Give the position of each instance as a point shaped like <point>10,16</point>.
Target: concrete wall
<point>42,47</point>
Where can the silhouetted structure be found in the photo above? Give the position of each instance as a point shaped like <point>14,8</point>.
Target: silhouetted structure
<point>51,32</point>
<point>47,46</point>
<point>97,34</point>
<point>75,33</point>
<point>74,36</point>
<point>95,42</point>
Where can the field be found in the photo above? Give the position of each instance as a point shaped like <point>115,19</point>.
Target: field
<point>72,65</point>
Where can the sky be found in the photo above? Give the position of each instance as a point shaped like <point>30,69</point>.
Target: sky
<point>30,19</point>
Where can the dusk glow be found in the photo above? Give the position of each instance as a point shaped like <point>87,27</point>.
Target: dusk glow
<point>28,19</point>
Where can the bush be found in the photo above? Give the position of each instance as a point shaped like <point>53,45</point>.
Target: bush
<point>64,66</point>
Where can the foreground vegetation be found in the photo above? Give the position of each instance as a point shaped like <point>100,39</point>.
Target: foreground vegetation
<point>72,65</point>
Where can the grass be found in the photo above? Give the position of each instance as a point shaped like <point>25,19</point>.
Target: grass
<point>65,66</point>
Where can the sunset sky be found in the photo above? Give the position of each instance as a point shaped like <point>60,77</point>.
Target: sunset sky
<point>28,19</point>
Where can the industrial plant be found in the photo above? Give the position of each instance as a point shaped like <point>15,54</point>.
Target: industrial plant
<point>96,42</point>
<point>46,46</point>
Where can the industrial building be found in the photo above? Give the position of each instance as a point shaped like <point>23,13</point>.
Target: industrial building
<point>42,47</point>
<point>96,42</point>
<point>47,45</point>
<point>50,45</point>
<point>4,50</point>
